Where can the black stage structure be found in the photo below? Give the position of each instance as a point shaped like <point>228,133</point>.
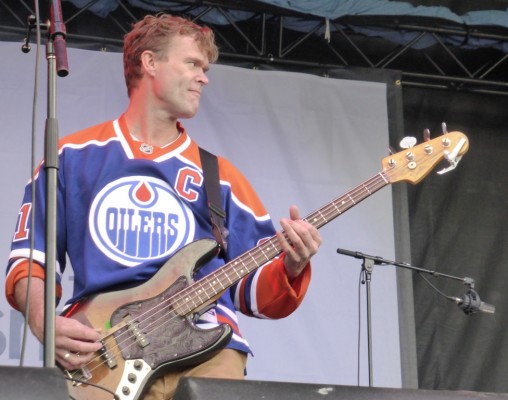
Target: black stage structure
<point>457,224</point>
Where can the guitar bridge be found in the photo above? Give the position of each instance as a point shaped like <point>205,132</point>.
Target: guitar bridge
<point>79,376</point>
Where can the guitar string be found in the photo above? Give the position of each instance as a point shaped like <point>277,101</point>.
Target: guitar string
<point>184,297</point>
<point>312,219</point>
<point>180,297</point>
<point>125,336</point>
<point>185,294</point>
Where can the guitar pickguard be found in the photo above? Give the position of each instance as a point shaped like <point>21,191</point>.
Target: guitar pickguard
<point>167,339</point>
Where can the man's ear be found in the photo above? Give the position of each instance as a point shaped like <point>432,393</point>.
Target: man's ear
<point>148,62</point>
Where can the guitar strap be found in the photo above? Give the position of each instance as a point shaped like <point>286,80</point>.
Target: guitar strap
<point>212,187</point>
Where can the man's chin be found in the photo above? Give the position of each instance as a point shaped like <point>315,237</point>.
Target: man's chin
<point>187,115</point>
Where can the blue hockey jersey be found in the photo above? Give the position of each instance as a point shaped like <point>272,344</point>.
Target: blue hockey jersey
<point>124,208</point>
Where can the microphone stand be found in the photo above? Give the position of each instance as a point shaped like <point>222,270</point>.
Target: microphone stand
<point>57,62</point>
<point>51,167</point>
<point>367,268</point>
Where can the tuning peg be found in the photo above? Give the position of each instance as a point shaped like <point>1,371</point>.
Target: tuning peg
<point>407,142</point>
<point>443,128</point>
<point>426,135</point>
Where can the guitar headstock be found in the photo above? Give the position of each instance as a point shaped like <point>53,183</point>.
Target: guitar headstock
<point>414,163</point>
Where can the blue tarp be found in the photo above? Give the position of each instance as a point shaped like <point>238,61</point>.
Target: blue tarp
<point>333,9</point>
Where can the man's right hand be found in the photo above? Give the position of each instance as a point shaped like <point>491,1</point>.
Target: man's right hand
<point>75,343</point>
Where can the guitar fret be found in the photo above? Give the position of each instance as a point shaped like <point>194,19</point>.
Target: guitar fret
<point>337,208</point>
<point>265,253</point>
<point>240,272</point>
<point>367,189</point>
<point>188,299</point>
<point>214,287</point>
<point>253,259</point>
<point>213,282</point>
<point>315,219</point>
<point>219,281</point>
<point>199,292</point>
<point>228,278</point>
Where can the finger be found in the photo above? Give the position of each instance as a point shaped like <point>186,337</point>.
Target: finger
<point>307,232</point>
<point>293,262</point>
<point>72,336</point>
<point>71,360</point>
<point>287,247</point>
<point>77,346</point>
<point>66,359</point>
<point>298,232</point>
<point>284,242</point>
<point>294,213</point>
<point>72,328</point>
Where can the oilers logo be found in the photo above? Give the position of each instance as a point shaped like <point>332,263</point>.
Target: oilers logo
<point>138,218</point>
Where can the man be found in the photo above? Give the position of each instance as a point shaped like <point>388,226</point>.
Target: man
<point>131,193</point>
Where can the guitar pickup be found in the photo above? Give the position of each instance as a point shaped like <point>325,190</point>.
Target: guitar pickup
<point>139,336</point>
<point>106,355</point>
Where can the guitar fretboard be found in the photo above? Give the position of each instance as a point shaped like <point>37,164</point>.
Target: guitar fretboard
<point>202,291</point>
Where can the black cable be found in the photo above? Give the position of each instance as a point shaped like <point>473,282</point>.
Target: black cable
<point>32,169</point>
<point>435,287</point>
<point>83,382</point>
<point>360,283</point>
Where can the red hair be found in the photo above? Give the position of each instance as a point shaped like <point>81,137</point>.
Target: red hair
<point>154,33</point>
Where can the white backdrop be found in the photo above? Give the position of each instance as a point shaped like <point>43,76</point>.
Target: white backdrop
<point>300,139</point>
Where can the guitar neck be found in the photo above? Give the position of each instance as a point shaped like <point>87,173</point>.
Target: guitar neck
<point>343,203</point>
<point>207,288</point>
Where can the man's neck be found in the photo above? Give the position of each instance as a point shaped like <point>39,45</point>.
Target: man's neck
<point>149,125</point>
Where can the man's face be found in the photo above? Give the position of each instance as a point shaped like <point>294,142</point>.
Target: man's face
<point>179,79</point>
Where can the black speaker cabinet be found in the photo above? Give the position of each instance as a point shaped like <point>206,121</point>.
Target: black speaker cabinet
<point>31,383</point>
<point>223,389</point>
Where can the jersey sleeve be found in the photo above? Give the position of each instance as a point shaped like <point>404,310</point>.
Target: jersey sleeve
<point>21,269</point>
<point>267,291</point>
<point>29,239</point>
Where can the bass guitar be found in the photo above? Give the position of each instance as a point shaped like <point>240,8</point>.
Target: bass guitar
<point>149,329</point>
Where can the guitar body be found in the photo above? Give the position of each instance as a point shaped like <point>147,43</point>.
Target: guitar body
<point>144,336</point>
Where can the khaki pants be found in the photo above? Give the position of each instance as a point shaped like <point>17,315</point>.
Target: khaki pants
<point>227,364</point>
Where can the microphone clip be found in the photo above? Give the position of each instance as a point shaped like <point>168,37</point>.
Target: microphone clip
<point>470,303</point>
